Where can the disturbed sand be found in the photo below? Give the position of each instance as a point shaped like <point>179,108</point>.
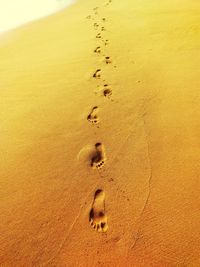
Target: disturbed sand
<point>100,137</point>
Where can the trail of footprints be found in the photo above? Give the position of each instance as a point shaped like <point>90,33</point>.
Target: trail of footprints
<point>97,214</point>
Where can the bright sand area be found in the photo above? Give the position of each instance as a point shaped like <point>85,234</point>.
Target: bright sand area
<point>100,137</point>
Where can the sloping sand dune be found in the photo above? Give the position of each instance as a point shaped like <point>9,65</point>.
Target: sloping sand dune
<point>100,137</point>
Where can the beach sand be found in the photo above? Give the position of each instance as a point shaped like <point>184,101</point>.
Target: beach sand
<point>100,137</point>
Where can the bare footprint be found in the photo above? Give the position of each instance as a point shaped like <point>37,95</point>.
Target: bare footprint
<point>106,42</point>
<point>108,60</point>
<point>92,117</point>
<point>107,91</point>
<point>97,74</point>
<point>96,25</point>
<point>97,216</point>
<point>108,3</point>
<point>98,36</point>
<point>97,50</point>
<point>98,158</point>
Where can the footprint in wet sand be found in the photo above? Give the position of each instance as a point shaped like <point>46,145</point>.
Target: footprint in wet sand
<point>97,50</point>
<point>97,74</point>
<point>103,29</point>
<point>98,157</point>
<point>97,216</point>
<point>92,117</point>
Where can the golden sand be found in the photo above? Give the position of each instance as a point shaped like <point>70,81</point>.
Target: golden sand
<point>100,137</point>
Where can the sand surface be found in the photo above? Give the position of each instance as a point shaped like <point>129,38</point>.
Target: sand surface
<point>100,137</point>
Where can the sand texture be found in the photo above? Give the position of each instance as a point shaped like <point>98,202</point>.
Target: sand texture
<point>100,137</point>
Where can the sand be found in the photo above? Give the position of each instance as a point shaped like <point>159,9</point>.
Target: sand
<point>100,137</point>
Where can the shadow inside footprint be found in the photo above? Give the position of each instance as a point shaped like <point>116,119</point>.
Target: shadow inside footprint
<point>92,117</point>
<point>108,60</point>
<point>108,3</point>
<point>98,36</point>
<point>97,216</point>
<point>106,42</point>
<point>98,158</point>
<point>107,91</point>
<point>97,74</point>
<point>97,50</point>
<point>96,25</point>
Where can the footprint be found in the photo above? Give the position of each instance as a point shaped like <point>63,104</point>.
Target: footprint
<point>96,25</point>
<point>107,91</point>
<point>92,117</point>
<point>104,19</point>
<point>98,36</point>
<point>106,42</point>
<point>98,50</point>
<point>97,216</point>
<point>97,74</point>
<point>108,60</point>
<point>109,2</point>
<point>103,29</point>
<point>98,157</point>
